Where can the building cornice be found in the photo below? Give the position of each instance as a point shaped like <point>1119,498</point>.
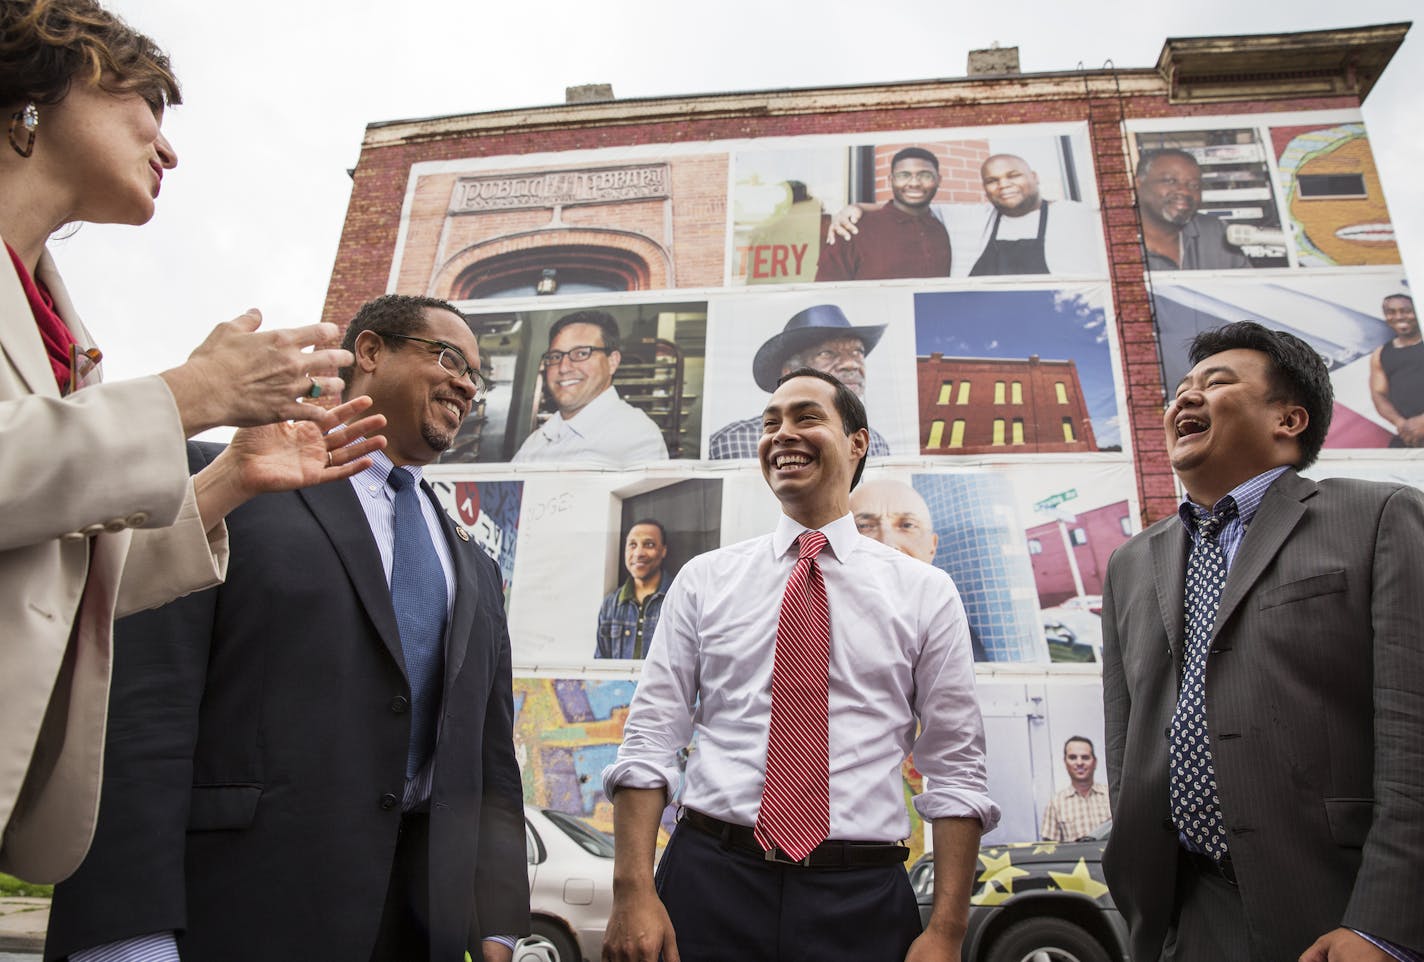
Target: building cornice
<point>1189,70</point>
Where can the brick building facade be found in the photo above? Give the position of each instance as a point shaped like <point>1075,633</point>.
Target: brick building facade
<point>1240,76</point>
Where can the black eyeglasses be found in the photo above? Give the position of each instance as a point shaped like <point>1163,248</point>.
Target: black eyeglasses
<point>581,353</point>
<point>451,359</point>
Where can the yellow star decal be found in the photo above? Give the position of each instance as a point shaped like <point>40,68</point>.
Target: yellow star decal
<point>1000,871</point>
<point>989,895</point>
<point>1045,848</point>
<point>1079,881</point>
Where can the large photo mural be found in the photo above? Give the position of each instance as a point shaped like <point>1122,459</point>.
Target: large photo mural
<point>635,306</point>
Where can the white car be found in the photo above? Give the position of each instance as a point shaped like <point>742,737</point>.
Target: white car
<point>570,887</point>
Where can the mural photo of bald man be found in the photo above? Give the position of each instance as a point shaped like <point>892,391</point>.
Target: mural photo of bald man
<point>894,514</point>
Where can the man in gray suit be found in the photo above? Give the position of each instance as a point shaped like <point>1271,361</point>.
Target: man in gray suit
<point>1271,808</point>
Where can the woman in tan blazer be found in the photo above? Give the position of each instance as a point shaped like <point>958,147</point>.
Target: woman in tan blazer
<point>98,516</point>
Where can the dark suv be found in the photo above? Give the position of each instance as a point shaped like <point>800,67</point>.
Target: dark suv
<point>1037,902</point>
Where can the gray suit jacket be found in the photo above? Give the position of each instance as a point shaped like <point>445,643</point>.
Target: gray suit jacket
<point>1315,710</point>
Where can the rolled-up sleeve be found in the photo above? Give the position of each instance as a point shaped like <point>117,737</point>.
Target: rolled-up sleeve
<point>949,751</point>
<point>659,722</point>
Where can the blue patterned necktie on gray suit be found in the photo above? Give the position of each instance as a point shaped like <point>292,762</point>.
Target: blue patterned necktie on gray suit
<point>419,598</point>
<point>1196,808</point>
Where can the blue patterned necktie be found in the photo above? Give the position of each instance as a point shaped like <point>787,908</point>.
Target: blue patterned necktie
<point>419,598</point>
<point>1196,808</point>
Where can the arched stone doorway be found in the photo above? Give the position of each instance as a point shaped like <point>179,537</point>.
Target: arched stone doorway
<point>581,261</point>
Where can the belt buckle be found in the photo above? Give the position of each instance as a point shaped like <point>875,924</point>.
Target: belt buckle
<point>775,854</point>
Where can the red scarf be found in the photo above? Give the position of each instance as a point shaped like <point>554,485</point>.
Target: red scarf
<point>58,340</point>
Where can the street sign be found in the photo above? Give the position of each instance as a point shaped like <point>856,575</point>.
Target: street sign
<point>1054,500</point>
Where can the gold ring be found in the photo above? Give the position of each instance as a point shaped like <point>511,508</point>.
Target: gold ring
<point>329,463</point>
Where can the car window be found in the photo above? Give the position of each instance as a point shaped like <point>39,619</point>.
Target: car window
<point>590,839</point>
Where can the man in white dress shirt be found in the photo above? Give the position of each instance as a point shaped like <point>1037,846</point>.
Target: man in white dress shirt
<point>592,423</point>
<point>899,655</point>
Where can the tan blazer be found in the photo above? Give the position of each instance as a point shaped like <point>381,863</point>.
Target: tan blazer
<point>78,475</point>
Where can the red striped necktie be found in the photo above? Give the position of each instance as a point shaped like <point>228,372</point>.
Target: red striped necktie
<point>796,800</point>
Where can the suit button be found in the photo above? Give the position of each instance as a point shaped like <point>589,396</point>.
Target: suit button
<point>73,536</point>
<point>115,526</point>
<point>399,704</point>
<point>90,530</point>
<point>388,801</point>
<point>138,519</point>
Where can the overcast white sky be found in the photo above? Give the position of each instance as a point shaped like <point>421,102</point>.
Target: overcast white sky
<point>277,95</point>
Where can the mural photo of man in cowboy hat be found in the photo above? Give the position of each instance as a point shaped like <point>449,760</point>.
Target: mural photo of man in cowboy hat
<point>819,337</point>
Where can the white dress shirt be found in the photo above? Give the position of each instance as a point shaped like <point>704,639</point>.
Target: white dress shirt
<point>607,431</point>
<point>900,653</point>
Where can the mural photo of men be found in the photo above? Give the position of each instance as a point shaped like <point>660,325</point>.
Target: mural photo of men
<point>629,614</point>
<point>592,422</point>
<point>1081,807</point>
<point>822,338</point>
<point>1177,236</point>
<point>1397,373</point>
<point>1012,232</point>
<point>902,238</point>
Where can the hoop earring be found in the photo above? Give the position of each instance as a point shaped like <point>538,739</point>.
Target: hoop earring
<point>28,118</point>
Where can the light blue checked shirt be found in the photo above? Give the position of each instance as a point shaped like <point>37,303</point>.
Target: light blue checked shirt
<point>1247,497</point>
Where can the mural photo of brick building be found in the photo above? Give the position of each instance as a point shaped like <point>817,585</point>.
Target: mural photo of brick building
<point>1093,534</point>
<point>1014,372</point>
<point>980,405</point>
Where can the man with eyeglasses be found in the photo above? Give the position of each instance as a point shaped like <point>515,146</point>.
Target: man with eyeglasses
<point>592,424</point>
<point>821,338</point>
<point>900,239</point>
<point>1177,237</point>
<point>315,760</point>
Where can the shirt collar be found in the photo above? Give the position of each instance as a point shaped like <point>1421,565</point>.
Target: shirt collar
<point>1247,496</point>
<point>841,533</point>
<point>589,414</point>
<point>380,470</point>
<point>628,592</point>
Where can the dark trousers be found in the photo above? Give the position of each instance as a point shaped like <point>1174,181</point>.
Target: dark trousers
<point>727,904</point>
<point>1209,921</point>
<point>404,935</point>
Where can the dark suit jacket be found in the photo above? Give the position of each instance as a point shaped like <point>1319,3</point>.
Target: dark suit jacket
<point>257,750</point>
<point>1315,710</point>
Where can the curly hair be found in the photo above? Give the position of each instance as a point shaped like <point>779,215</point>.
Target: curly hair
<point>46,44</point>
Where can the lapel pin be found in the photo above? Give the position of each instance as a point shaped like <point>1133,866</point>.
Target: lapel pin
<point>464,535</point>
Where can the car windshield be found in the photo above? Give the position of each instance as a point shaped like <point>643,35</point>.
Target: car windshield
<point>590,839</point>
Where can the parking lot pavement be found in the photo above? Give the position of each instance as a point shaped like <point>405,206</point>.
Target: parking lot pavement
<point>22,928</point>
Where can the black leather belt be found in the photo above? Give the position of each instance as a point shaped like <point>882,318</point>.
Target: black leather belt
<point>1206,865</point>
<point>830,854</point>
